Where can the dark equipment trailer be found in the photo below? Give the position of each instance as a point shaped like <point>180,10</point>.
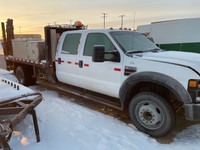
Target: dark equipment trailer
<point>13,111</point>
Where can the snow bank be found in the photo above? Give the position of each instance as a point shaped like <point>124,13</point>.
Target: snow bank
<point>8,75</point>
<point>10,90</point>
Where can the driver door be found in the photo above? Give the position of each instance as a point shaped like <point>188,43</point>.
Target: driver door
<point>104,77</point>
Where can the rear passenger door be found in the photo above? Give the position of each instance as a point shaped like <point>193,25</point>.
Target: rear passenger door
<point>67,63</point>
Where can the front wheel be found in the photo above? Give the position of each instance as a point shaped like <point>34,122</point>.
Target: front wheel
<point>151,114</point>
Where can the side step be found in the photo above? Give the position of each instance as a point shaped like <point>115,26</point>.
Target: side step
<point>88,95</point>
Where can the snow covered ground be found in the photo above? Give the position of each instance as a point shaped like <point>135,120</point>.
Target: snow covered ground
<point>66,125</point>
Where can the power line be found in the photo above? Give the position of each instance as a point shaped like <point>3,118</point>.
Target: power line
<point>104,19</point>
<point>122,21</point>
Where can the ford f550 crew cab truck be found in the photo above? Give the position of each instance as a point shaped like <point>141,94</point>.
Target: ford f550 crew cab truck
<point>123,65</point>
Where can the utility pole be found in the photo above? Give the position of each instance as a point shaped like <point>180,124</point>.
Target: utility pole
<point>122,21</point>
<point>104,19</point>
<point>134,21</point>
<point>71,22</point>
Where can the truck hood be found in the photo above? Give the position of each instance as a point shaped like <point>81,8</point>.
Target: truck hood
<point>191,60</point>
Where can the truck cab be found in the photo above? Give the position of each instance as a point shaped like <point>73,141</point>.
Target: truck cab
<point>75,50</point>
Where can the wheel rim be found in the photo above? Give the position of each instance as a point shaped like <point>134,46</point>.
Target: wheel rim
<point>149,115</point>
<point>20,77</point>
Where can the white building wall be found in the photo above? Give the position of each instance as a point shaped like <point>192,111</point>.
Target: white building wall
<point>175,31</point>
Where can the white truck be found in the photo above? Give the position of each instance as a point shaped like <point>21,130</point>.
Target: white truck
<point>123,66</point>
<point>177,35</point>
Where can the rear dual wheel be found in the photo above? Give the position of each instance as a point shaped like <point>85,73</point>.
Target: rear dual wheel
<point>21,76</point>
<point>24,76</point>
<point>151,114</point>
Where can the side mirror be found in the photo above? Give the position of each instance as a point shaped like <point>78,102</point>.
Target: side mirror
<point>116,56</point>
<point>98,53</point>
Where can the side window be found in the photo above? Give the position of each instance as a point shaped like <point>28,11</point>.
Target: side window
<point>98,39</point>
<point>71,43</point>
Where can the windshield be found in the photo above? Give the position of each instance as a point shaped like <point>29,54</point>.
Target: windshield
<point>133,42</point>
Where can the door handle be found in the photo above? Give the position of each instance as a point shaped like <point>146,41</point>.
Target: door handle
<point>80,64</point>
<point>59,60</point>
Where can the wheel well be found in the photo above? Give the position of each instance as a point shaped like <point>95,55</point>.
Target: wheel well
<point>29,77</point>
<point>28,67</point>
<point>154,88</point>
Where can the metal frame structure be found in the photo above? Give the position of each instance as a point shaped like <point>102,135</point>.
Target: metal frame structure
<point>13,111</point>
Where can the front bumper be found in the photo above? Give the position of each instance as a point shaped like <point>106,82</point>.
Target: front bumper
<point>192,112</point>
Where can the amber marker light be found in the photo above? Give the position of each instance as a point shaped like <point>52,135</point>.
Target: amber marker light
<point>193,84</point>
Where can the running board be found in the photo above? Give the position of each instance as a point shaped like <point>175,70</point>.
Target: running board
<point>91,97</point>
<point>88,95</point>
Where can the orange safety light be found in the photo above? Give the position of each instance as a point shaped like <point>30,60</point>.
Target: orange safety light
<point>120,28</point>
<point>129,29</point>
<point>111,28</point>
<point>78,23</point>
<point>125,28</point>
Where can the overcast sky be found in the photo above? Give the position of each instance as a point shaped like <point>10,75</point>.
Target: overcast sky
<point>32,15</point>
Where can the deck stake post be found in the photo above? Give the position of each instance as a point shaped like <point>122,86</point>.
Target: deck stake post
<point>37,134</point>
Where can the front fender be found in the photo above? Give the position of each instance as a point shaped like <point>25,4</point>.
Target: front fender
<point>153,77</point>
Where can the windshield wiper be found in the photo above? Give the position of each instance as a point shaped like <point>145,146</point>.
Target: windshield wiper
<point>133,51</point>
<point>152,50</point>
<point>148,50</point>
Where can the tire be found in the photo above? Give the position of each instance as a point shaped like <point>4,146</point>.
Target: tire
<point>21,76</point>
<point>151,114</point>
<point>24,76</point>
